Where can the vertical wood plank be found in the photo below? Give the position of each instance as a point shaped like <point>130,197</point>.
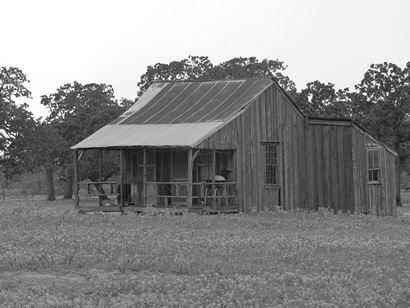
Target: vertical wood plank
<point>256,145</point>
<point>310,165</point>
<point>326,158</point>
<point>319,166</point>
<point>356,187</point>
<point>293,151</point>
<point>144,176</point>
<point>348,169</point>
<point>244,165</point>
<point>189,197</point>
<point>100,176</point>
<point>341,170</point>
<point>121,178</point>
<point>213,172</point>
<point>334,169</point>
<point>286,173</point>
<point>261,118</point>
<point>383,179</point>
<point>249,161</point>
<point>269,115</point>
<point>237,165</point>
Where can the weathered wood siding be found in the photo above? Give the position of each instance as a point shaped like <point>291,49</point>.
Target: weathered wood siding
<point>329,164</point>
<point>390,184</point>
<point>272,117</point>
<point>379,198</point>
<point>322,163</point>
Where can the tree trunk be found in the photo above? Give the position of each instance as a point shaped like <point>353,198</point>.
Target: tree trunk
<point>398,172</point>
<point>69,188</point>
<point>4,186</point>
<point>51,195</point>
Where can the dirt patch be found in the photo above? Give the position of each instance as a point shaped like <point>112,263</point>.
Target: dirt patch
<point>67,282</point>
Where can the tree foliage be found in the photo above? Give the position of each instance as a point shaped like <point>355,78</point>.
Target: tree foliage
<point>323,100</point>
<point>16,122</point>
<point>77,111</point>
<point>382,105</point>
<point>201,68</point>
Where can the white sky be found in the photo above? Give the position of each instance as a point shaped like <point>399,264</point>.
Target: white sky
<point>113,42</point>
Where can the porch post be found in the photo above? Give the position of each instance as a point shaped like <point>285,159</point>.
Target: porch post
<point>100,176</point>
<point>144,177</point>
<point>213,172</point>
<point>76,201</point>
<point>189,197</point>
<point>121,178</point>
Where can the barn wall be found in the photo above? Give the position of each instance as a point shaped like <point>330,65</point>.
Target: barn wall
<point>270,118</point>
<point>360,172</point>
<point>329,164</point>
<point>377,199</point>
<point>390,187</point>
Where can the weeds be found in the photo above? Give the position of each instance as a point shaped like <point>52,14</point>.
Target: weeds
<point>267,259</point>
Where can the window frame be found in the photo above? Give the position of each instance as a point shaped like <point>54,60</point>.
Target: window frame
<point>271,178</point>
<point>372,169</point>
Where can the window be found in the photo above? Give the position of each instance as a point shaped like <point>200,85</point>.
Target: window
<point>373,163</point>
<point>271,163</point>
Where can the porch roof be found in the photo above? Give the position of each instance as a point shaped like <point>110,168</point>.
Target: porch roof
<point>149,135</point>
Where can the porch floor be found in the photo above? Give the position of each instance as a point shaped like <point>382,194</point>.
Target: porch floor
<point>162,209</point>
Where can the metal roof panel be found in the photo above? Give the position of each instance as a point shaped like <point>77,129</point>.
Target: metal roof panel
<point>177,114</point>
<point>150,135</point>
<point>193,101</point>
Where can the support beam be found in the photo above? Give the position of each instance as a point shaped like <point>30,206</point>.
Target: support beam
<point>189,197</point>
<point>144,177</point>
<point>213,173</point>
<point>100,176</point>
<point>80,155</point>
<point>121,178</point>
<point>195,154</point>
<point>76,197</point>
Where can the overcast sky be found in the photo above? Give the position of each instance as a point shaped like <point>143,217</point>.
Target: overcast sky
<point>113,42</point>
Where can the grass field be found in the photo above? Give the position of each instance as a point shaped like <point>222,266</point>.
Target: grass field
<point>51,256</point>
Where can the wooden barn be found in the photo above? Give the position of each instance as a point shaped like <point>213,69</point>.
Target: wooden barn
<point>238,145</point>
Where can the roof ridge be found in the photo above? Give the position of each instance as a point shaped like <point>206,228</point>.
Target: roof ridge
<point>210,80</point>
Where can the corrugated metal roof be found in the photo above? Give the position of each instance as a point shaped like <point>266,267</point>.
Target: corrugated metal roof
<point>149,135</point>
<point>178,113</point>
<point>193,102</point>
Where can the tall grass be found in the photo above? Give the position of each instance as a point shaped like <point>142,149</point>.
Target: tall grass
<point>52,256</point>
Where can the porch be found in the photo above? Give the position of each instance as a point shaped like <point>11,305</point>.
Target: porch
<point>193,180</point>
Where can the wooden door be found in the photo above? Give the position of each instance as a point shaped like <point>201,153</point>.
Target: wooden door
<point>271,175</point>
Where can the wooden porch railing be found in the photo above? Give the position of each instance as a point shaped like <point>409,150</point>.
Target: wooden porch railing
<point>167,194</point>
<point>203,193</point>
<point>98,189</point>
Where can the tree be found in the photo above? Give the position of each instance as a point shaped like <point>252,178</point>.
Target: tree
<point>251,68</point>
<point>16,122</point>
<point>382,105</point>
<point>77,111</point>
<point>46,148</point>
<point>201,68</point>
<point>323,100</point>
